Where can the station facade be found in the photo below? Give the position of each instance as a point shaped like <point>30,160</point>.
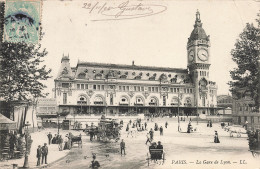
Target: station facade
<point>95,88</point>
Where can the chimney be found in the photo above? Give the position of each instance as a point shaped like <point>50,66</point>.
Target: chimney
<point>133,63</point>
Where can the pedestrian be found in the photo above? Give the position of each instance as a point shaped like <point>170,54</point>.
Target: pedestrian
<point>49,137</point>
<point>145,125</point>
<point>161,130</point>
<point>189,128</point>
<point>151,134</point>
<point>54,140</point>
<point>44,151</point>
<point>94,163</point>
<point>60,142</point>
<point>159,146</point>
<point>66,142</point>
<point>148,138</point>
<point>155,127</point>
<point>38,155</point>
<point>166,124</point>
<point>122,146</point>
<point>216,139</point>
<point>210,123</point>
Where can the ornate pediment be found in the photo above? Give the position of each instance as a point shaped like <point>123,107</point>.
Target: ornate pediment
<point>65,71</point>
<point>90,93</point>
<point>146,94</point>
<point>131,94</point>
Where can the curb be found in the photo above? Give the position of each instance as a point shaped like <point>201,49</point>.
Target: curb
<point>47,165</point>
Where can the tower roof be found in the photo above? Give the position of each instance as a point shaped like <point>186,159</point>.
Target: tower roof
<point>65,58</point>
<point>198,32</point>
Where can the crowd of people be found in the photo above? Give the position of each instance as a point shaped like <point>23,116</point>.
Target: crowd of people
<point>13,144</point>
<point>63,144</point>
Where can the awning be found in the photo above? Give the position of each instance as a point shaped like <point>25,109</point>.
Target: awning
<point>6,124</point>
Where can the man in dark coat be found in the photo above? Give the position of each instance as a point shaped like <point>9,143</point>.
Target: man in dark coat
<point>166,124</point>
<point>44,151</point>
<point>122,146</point>
<point>39,154</point>
<point>161,130</point>
<point>151,134</point>
<point>94,163</point>
<point>49,137</point>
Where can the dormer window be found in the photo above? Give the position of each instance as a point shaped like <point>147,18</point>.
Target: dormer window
<point>138,77</point>
<point>123,77</point>
<point>152,78</point>
<point>82,76</point>
<point>98,76</point>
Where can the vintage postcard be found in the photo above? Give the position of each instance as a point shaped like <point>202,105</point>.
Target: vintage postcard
<point>129,84</point>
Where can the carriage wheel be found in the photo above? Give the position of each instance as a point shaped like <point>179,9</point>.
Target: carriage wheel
<point>163,157</point>
<point>255,154</point>
<point>148,159</point>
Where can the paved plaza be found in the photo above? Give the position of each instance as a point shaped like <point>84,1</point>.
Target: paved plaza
<point>183,150</point>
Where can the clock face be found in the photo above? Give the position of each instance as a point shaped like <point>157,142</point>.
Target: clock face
<point>203,54</point>
<point>191,55</point>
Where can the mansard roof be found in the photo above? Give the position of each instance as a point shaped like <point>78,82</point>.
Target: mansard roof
<point>133,67</point>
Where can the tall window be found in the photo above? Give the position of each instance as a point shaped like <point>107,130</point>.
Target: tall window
<point>164,100</point>
<point>64,98</point>
<point>203,101</point>
<point>111,99</point>
<point>82,86</point>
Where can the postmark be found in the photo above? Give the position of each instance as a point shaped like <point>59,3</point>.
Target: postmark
<point>22,21</point>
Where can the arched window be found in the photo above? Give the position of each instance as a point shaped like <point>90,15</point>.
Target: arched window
<point>187,102</point>
<point>153,101</point>
<point>174,101</point>
<point>82,100</point>
<point>124,100</point>
<point>139,100</point>
<point>98,100</point>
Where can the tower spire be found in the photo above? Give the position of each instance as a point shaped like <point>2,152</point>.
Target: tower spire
<point>197,15</point>
<point>198,21</point>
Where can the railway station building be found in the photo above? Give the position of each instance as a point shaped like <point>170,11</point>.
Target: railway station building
<point>104,88</point>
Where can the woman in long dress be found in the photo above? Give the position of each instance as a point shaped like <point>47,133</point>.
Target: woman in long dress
<point>216,139</point>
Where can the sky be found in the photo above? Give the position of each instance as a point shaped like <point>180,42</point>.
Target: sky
<point>156,40</point>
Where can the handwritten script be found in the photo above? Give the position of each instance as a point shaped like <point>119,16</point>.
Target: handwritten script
<point>123,10</point>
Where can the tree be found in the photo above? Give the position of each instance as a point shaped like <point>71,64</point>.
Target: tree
<point>21,73</point>
<point>246,54</point>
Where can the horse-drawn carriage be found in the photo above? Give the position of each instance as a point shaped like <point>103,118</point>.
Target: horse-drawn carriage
<point>107,129</point>
<point>155,154</point>
<point>254,143</point>
<point>77,140</point>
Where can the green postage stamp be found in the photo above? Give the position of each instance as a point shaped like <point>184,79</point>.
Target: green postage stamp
<point>22,21</point>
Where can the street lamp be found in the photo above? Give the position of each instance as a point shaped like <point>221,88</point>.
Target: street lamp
<point>179,94</point>
<point>26,164</point>
<point>58,115</point>
<point>197,114</point>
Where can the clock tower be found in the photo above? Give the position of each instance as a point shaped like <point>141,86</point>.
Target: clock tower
<point>198,53</point>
